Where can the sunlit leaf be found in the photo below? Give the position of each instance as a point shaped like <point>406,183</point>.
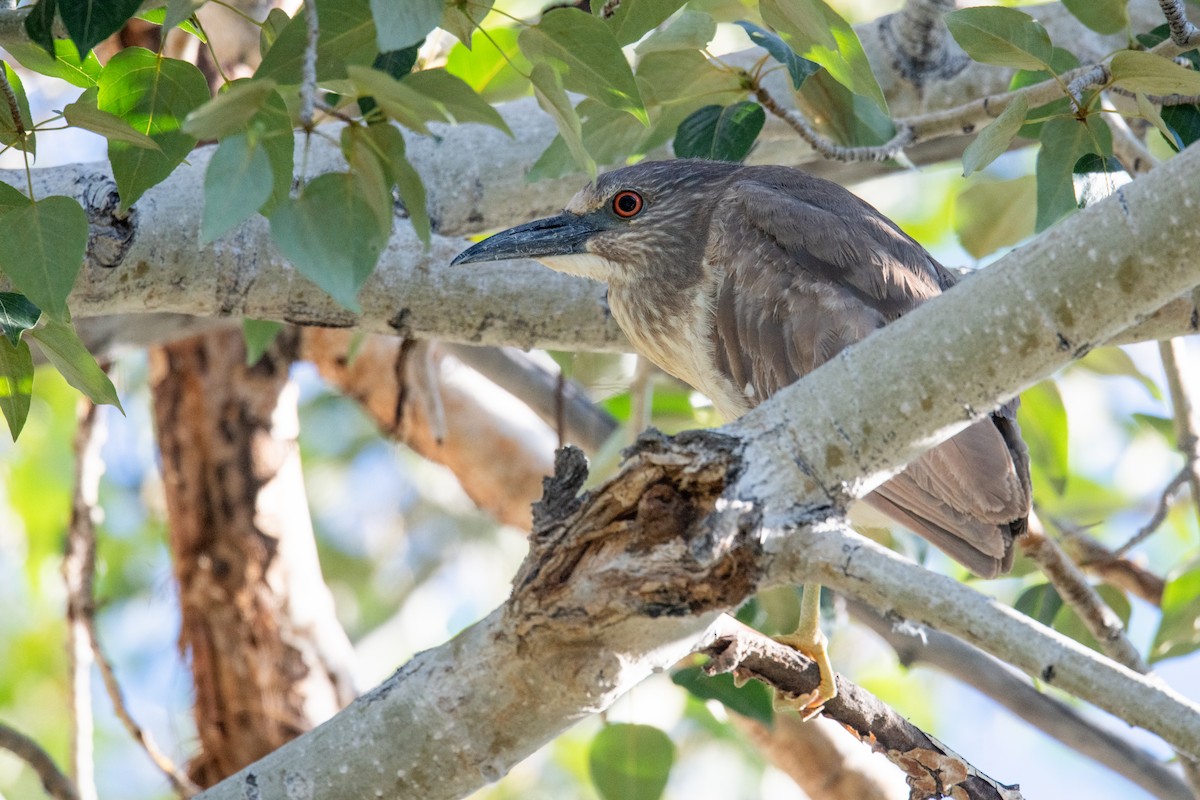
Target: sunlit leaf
<point>494,66</point>
<point>399,25</point>
<point>237,184</point>
<point>1151,114</point>
<point>42,246</point>
<point>62,347</point>
<point>720,134</point>
<point>153,94</point>
<point>1005,37</point>
<point>692,30</point>
<point>995,214</point>
<point>1102,16</point>
<point>331,234</point>
<point>230,111</point>
<point>752,699</point>
<point>158,16</point>
<point>1178,632</point>
<point>89,22</point>
<point>1139,71</point>
<point>21,137</point>
<point>179,11</point>
<point>16,383</point>
<point>816,32</point>
<point>996,137</point>
<point>17,315</point>
<point>259,334</point>
<point>463,17</point>
<point>65,64</point>
<point>582,50</point>
<point>630,762</point>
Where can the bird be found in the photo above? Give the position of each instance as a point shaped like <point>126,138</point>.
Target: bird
<point>739,280</point>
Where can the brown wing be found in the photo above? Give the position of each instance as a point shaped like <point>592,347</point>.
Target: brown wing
<point>835,269</point>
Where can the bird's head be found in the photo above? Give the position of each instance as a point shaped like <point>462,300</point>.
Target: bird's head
<point>645,222</point>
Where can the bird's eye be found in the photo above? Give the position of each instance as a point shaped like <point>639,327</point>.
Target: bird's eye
<point>627,203</point>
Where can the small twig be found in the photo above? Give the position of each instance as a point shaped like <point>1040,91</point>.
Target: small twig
<point>1183,32</point>
<point>917,644</point>
<point>308,77</point>
<point>890,149</point>
<point>933,769</point>
<point>641,398</point>
<point>1097,559</point>
<point>1160,512</point>
<point>14,108</point>
<point>1187,433</point>
<point>57,784</point>
<point>78,569</point>
<point>1072,585</point>
<point>1094,76</point>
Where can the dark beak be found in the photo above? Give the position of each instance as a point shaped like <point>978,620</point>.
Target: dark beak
<point>560,235</point>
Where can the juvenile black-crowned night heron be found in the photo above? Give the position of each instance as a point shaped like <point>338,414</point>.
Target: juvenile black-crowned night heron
<point>739,280</point>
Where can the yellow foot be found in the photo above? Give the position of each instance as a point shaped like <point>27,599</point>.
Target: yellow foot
<point>809,704</point>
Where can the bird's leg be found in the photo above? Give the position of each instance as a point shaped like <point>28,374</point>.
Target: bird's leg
<point>810,640</point>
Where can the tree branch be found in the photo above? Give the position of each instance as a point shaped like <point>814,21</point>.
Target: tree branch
<point>57,785</point>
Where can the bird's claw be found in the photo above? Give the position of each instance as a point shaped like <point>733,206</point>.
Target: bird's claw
<point>809,704</point>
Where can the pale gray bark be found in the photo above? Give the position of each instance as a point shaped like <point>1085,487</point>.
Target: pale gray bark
<point>579,632</point>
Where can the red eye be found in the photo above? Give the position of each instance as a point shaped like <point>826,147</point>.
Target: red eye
<point>627,203</point>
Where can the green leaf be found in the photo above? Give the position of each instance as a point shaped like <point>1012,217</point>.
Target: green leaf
<point>275,23</point>
<point>845,117</point>
<point>42,246</point>
<point>1139,71</point>
<point>1068,623</point>
<point>178,11</point>
<point>456,100</point>
<point>1064,142</point>
<point>272,125</point>
<point>237,184</point>
<point>11,199</point>
<point>158,16</point>
<point>370,168</point>
<point>1102,16</point>
<point>16,384</point>
<point>494,65</point>
<point>21,137</point>
<point>259,334</point>
<point>17,315</point>
<point>347,37</point>
<point>1040,602</point>
<point>89,22</point>
<point>1005,37</point>
<point>1060,61</point>
<point>548,88</point>
<point>63,348</point>
<point>84,114</point>
<point>995,214</point>
<point>396,99</point>
<point>39,25</point>
<point>996,137</point>
<point>64,64</point>
<point>463,17</point>
<point>1178,632</point>
<point>691,30</point>
<point>385,145</point>
<point>752,699</point>
<point>331,235</point>
<point>816,32</point>
<point>154,95</point>
<point>583,51</point>
<point>412,194</point>
<point>684,80</point>
<point>230,111</point>
<point>630,762</point>
<point>720,134</point>
<point>799,68</point>
<point>632,20</point>
<point>1043,420</point>
<point>1184,121</point>
<point>401,24</point>
<point>609,136</point>
<point>1151,114</point>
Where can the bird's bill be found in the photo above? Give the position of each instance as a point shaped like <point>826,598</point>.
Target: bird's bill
<point>561,235</point>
